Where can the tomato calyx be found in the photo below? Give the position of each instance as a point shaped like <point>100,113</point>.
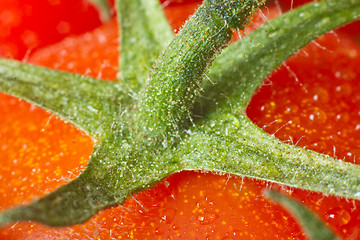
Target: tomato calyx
<point>122,164</point>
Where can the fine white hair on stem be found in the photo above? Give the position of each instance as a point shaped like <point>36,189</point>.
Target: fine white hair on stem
<point>47,123</point>
<point>292,73</point>
<point>263,16</point>
<point>242,43</point>
<point>321,46</point>
<point>166,3</point>
<point>278,7</point>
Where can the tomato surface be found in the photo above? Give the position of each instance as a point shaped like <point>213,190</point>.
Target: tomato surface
<point>40,152</point>
<point>26,25</point>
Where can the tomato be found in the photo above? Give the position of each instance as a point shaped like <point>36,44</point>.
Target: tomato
<point>27,24</point>
<point>178,11</point>
<point>39,152</point>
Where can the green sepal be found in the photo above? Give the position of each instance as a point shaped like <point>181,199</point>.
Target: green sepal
<point>243,66</point>
<point>229,143</point>
<point>144,33</point>
<point>311,223</point>
<point>86,102</point>
<point>177,76</point>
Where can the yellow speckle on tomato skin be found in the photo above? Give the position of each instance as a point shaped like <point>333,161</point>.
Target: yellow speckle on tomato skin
<point>236,194</point>
<point>36,154</point>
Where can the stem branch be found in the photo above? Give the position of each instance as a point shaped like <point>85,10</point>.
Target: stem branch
<point>177,76</point>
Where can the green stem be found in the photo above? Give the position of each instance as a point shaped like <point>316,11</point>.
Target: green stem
<point>229,143</point>
<point>68,205</point>
<point>144,33</point>
<point>311,223</point>
<point>177,76</point>
<point>88,106</point>
<point>243,66</point>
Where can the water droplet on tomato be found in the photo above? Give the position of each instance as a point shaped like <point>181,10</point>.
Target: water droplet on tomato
<point>320,95</point>
<point>209,237</point>
<point>345,74</point>
<point>343,117</point>
<point>319,146</point>
<point>343,90</point>
<point>207,217</point>
<point>168,215</point>
<point>314,115</point>
<point>159,231</point>
<point>338,216</point>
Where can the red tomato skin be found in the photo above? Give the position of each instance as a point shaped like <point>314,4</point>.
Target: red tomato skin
<point>27,25</point>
